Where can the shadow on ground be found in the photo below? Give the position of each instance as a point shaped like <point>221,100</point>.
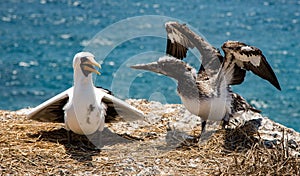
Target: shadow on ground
<point>82,147</point>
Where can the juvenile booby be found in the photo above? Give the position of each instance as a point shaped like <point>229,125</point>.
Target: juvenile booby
<point>83,107</point>
<point>207,93</point>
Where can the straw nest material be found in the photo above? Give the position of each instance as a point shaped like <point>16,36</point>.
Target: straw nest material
<point>163,145</point>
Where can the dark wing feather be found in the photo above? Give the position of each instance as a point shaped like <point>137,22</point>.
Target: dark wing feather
<point>238,75</point>
<point>264,71</point>
<point>111,113</point>
<point>181,38</point>
<point>117,107</point>
<point>175,49</point>
<point>51,110</point>
<point>240,57</point>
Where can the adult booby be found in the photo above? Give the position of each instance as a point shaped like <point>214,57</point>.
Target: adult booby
<point>207,93</point>
<point>83,107</point>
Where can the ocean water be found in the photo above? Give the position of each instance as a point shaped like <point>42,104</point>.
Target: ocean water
<point>38,40</point>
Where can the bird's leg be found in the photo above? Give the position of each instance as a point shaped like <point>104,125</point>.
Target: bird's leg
<point>203,124</point>
<point>69,136</point>
<point>226,120</point>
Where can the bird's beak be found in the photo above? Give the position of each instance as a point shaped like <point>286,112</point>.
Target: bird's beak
<point>168,66</point>
<point>153,66</point>
<point>88,65</point>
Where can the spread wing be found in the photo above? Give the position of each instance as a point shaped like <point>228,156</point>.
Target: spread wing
<point>52,109</point>
<point>117,106</point>
<point>240,57</point>
<point>180,38</point>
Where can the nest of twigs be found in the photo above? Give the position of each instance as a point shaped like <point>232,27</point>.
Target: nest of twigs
<point>34,148</point>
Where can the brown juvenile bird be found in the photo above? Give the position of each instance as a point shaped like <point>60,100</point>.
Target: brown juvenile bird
<point>207,93</point>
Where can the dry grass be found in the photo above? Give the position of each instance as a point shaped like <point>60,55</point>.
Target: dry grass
<point>33,148</point>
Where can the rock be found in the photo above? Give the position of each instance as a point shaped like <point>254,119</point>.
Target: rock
<point>181,125</point>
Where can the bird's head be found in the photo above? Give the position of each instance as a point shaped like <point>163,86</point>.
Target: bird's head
<point>85,62</point>
<point>169,66</point>
<point>234,46</point>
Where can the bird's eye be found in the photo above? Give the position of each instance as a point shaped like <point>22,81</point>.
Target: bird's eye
<point>83,59</point>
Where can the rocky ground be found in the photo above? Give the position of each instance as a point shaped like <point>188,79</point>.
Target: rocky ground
<point>163,144</point>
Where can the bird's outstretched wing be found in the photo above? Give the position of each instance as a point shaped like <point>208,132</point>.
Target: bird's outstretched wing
<point>111,113</point>
<point>240,57</point>
<point>116,106</point>
<point>52,109</point>
<point>180,38</point>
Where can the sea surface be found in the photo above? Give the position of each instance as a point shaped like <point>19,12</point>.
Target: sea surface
<point>38,39</point>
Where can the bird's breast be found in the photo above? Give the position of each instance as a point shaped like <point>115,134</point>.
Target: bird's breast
<point>83,122</point>
<point>209,109</point>
<point>84,116</point>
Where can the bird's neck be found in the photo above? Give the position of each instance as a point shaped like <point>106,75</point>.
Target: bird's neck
<point>187,88</point>
<point>81,80</point>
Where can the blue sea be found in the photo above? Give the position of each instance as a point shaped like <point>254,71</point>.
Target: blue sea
<point>38,39</point>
